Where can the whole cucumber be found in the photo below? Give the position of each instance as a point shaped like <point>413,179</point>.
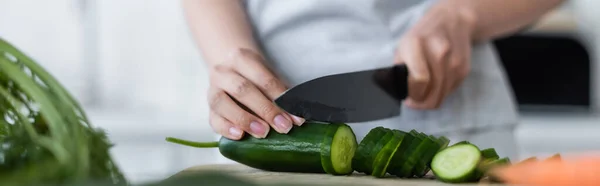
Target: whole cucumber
<point>310,148</point>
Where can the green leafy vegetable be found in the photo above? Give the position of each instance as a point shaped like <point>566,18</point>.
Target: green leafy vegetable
<point>45,136</point>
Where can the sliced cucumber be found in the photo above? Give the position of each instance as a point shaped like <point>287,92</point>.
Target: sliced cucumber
<point>413,160</point>
<point>422,166</point>
<point>384,156</point>
<point>461,142</point>
<point>458,163</point>
<point>444,142</point>
<point>338,161</point>
<point>398,157</point>
<point>489,154</point>
<point>365,147</point>
<point>326,162</point>
<point>401,158</point>
<point>376,149</point>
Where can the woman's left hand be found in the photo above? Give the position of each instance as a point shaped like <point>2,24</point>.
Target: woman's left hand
<point>437,52</point>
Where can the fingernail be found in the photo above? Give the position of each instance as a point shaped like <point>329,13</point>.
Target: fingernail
<point>282,123</point>
<point>258,129</point>
<point>298,120</point>
<point>235,132</point>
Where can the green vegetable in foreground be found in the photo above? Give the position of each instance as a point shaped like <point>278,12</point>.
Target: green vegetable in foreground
<point>46,137</point>
<point>310,148</point>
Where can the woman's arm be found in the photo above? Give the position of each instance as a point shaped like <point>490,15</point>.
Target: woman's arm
<point>241,88</point>
<point>494,18</point>
<point>219,28</point>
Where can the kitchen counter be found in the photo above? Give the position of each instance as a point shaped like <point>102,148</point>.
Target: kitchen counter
<point>264,177</point>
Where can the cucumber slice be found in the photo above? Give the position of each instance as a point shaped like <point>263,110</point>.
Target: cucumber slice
<point>326,150</point>
<point>336,158</point>
<point>422,166</point>
<point>398,157</point>
<point>458,163</point>
<point>401,157</point>
<point>443,142</point>
<point>416,155</point>
<point>384,156</point>
<point>376,149</point>
<point>489,154</point>
<point>461,142</point>
<point>365,147</point>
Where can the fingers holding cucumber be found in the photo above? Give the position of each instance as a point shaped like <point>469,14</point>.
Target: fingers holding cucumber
<point>240,98</point>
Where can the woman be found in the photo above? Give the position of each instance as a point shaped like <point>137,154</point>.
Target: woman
<point>256,49</point>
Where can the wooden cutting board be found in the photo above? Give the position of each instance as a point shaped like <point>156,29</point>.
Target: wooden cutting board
<point>265,177</point>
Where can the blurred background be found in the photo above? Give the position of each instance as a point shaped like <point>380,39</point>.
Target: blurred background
<point>135,68</point>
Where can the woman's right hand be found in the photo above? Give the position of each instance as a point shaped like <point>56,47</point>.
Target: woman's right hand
<point>240,98</point>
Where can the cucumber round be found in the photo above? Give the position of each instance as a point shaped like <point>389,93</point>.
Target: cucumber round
<point>402,157</point>
<point>422,166</point>
<point>398,157</point>
<point>458,163</point>
<point>461,142</point>
<point>342,150</point>
<point>364,148</point>
<point>416,155</point>
<point>335,150</point>
<point>490,154</point>
<point>376,149</point>
<point>302,150</point>
<point>382,160</point>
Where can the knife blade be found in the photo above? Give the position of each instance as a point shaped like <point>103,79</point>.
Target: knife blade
<point>351,97</point>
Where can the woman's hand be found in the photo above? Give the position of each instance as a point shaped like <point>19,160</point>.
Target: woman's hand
<point>437,52</point>
<point>240,98</point>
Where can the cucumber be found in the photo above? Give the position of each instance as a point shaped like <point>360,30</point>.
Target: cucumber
<point>461,142</point>
<point>341,135</point>
<point>416,155</point>
<point>398,157</point>
<point>376,149</point>
<point>489,154</point>
<point>443,141</point>
<point>456,164</point>
<point>365,147</point>
<point>421,168</point>
<point>382,160</point>
<point>301,150</point>
<point>402,158</point>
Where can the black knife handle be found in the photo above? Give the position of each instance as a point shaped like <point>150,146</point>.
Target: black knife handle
<point>394,81</point>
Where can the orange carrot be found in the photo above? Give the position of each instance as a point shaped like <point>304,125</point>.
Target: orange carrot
<point>583,171</point>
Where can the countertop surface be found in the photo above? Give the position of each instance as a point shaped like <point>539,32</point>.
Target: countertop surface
<point>264,177</point>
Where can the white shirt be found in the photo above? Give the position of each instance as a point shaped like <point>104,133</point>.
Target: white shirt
<point>307,39</point>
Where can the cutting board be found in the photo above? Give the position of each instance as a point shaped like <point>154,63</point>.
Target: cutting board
<point>265,177</point>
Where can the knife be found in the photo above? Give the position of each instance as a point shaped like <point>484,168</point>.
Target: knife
<point>351,97</point>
